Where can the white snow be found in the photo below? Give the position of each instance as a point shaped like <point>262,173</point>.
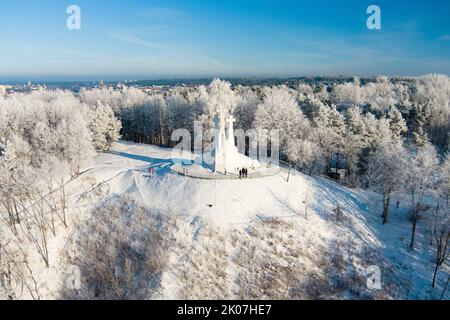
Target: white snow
<point>219,220</point>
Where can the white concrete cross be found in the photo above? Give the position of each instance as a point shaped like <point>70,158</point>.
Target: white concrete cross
<point>230,121</point>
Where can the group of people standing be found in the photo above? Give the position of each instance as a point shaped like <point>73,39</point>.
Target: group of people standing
<point>243,173</point>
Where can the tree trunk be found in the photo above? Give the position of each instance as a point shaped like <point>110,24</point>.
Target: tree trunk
<point>413,234</point>
<point>63,203</point>
<point>445,288</point>
<point>337,163</point>
<point>435,273</point>
<point>387,203</point>
<point>16,211</point>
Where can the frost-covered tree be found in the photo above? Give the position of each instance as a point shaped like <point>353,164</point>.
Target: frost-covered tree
<point>433,96</point>
<point>419,123</point>
<point>440,219</point>
<point>381,94</point>
<point>421,178</point>
<point>246,108</point>
<point>316,111</point>
<point>8,167</point>
<point>321,92</point>
<point>444,179</point>
<point>221,97</point>
<point>377,132</point>
<point>386,171</point>
<point>198,98</point>
<point>146,122</point>
<point>349,94</point>
<point>335,132</point>
<point>179,113</point>
<point>44,138</point>
<point>328,127</point>
<point>396,122</point>
<point>304,91</point>
<point>76,143</point>
<point>355,121</point>
<point>307,156</point>
<point>279,110</point>
<point>354,141</point>
<point>104,126</point>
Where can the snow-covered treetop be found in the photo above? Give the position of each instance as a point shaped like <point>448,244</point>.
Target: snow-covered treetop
<point>221,98</point>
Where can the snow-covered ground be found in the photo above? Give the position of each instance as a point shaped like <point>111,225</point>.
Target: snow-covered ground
<point>252,238</point>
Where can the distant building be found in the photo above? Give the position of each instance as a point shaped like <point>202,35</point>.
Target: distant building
<point>4,89</point>
<point>121,86</point>
<point>41,88</point>
<point>337,174</point>
<point>338,167</point>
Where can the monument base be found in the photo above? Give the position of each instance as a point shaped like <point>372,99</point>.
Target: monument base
<point>201,172</point>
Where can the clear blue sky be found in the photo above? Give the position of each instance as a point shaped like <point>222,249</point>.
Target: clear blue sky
<point>138,39</point>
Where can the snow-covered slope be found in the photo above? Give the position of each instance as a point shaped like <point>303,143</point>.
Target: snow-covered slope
<point>253,238</point>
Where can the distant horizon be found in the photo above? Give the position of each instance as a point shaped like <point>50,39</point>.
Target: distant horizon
<point>94,79</point>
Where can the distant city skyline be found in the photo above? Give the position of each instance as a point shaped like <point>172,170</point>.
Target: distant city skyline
<point>145,40</point>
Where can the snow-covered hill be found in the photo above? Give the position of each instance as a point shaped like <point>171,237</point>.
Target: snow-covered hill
<point>251,238</point>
